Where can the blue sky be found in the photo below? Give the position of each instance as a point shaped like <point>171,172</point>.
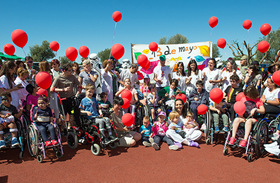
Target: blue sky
<point>90,23</point>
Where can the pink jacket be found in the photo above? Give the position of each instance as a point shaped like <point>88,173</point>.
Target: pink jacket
<point>156,128</point>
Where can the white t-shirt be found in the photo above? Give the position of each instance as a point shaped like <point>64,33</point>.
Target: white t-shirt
<point>272,95</point>
<point>22,93</point>
<point>228,74</point>
<point>162,74</point>
<point>195,78</point>
<point>211,75</point>
<point>14,94</point>
<point>127,74</point>
<point>182,81</point>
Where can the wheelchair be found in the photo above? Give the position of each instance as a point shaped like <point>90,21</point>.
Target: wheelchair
<point>35,143</point>
<point>86,131</point>
<point>256,140</point>
<point>273,124</point>
<point>7,136</point>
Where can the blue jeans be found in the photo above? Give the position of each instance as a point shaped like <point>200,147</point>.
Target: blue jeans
<point>43,126</point>
<point>158,139</point>
<point>278,128</point>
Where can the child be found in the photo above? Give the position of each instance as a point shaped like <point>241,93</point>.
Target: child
<point>217,111</point>
<point>144,88</point>
<point>7,114</point>
<point>105,106</point>
<point>175,131</point>
<point>134,100</point>
<point>159,133</point>
<point>43,118</point>
<point>152,100</point>
<point>191,128</point>
<point>32,97</point>
<point>146,131</point>
<point>89,106</point>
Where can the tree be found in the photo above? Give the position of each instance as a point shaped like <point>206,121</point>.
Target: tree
<point>105,54</point>
<point>215,51</point>
<point>273,38</point>
<point>64,60</point>
<point>177,39</point>
<point>41,53</point>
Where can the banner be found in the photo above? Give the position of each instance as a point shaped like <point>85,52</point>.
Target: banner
<point>175,53</point>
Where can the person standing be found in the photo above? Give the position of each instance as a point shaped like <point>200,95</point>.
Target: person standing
<point>162,74</point>
<point>243,66</point>
<point>131,74</point>
<point>211,76</point>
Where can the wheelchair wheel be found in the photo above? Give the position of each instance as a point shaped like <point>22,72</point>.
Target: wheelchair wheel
<point>58,153</point>
<point>113,145</point>
<point>40,158</point>
<point>21,154</point>
<point>208,120</point>
<point>225,152</point>
<point>32,141</point>
<point>95,149</point>
<point>72,140</point>
<point>26,123</point>
<point>261,138</point>
<point>250,158</point>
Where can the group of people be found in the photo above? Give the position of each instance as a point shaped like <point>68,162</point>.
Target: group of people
<point>177,126</point>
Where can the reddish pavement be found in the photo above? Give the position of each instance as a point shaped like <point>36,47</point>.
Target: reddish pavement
<point>207,164</point>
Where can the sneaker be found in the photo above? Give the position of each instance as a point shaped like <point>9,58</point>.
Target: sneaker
<point>178,144</point>
<point>173,147</point>
<point>2,144</point>
<point>155,146</point>
<point>14,142</point>
<point>193,144</point>
<point>203,127</point>
<point>273,149</point>
<point>275,136</point>
<point>54,142</point>
<point>231,141</point>
<point>225,129</point>
<point>243,143</point>
<point>270,145</point>
<point>151,140</point>
<point>217,129</point>
<point>48,143</point>
<point>147,144</point>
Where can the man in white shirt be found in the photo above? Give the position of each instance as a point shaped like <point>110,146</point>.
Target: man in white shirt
<point>162,74</point>
<point>131,74</point>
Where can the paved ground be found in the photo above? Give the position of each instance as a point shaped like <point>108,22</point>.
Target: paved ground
<point>140,164</point>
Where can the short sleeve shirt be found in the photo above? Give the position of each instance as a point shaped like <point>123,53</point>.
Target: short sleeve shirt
<point>63,82</point>
<point>150,97</point>
<point>147,130</point>
<point>8,110</point>
<point>162,74</point>
<point>45,112</point>
<point>211,75</point>
<point>178,128</point>
<point>127,74</point>
<point>86,78</point>
<point>32,100</point>
<point>90,105</point>
<point>271,95</point>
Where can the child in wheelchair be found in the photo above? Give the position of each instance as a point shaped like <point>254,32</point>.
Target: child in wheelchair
<point>43,118</point>
<point>219,110</point>
<point>8,113</point>
<point>89,106</point>
<point>153,101</point>
<point>104,105</point>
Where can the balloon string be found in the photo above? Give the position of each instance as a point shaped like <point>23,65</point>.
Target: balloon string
<point>56,54</point>
<point>24,52</point>
<point>225,53</point>
<point>211,33</point>
<point>248,47</point>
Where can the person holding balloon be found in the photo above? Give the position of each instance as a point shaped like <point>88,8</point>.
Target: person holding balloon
<point>211,75</point>
<point>127,138</point>
<point>248,107</point>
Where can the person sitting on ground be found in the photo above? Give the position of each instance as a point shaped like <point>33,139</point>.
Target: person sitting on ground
<point>191,128</point>
<point>89,106</point>
<point>8,113</point>
<point>146,131</point>
<point>127,138</point>
<point>153,101</point>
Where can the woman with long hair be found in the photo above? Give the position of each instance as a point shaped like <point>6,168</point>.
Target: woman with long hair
<point>194,74</point>
<point>22,74</point>
<point>253,77</point>
<point>76,69</point>
<point>211,75</point>
<point>181,76</point>
<point>55,68</point>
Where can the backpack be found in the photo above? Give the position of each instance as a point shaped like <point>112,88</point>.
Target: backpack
<point>249,106</point>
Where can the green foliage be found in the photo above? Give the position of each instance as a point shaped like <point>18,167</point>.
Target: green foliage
<point>104,55</point>
<point>41,53</point>
<point>274,40</point>
<point>215,51</point>
<point>177,39</point>
<point>64,60</point>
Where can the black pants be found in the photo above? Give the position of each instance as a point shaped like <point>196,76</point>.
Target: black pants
<point>67,105</point>
<point>182,134</point>
<point>271,109</point>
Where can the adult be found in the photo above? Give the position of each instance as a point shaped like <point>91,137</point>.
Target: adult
<point>270,97</point>
<point>56,71</point>
<point>231,68</point>
<point>87,76</point>
<point>96,67</point>
<point>29,66</point>
<point>131,74</point>
<point>7,81</point>
<point>181,76</point>
<point>252,77</point>
<point>76,69</point>
<point>211,75</point>
<point>127,138</point>
<point>194,75</point>
<point>19,64</point>
<point>109,80</point>
<point>271,69</point>
<point>22,74</point>
<point>162,74</point>
<point>243,66</point>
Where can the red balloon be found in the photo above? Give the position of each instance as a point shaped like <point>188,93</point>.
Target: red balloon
<point>43,80</point>
<point>239,96</point>
<point>54,46</point>
<point>216,95</point>
<point>265,29</point>
<point>276,77</point>
<point>222,43</point>
<point>42,91</point>
<point>9,49</point>
<point>142,60</point>
<point>19,37</point>
<point>182,97</point>
<point>263,46</point>
<point>239,108</point>
<point>140,75</point>
<point>153,46</point>
<point>84,51</point>
<point>213,21</point>
<point>127,119</point>
<point>247,24</point>
<point>71,53</point>
<point>126,103</point>
<point>117,51</point>
<point>117,16</point>
<point>202,109</point>
<point>126,94</point>
<point>147,66</point>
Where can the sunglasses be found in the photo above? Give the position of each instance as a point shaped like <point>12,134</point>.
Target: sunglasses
<point>29,62</point>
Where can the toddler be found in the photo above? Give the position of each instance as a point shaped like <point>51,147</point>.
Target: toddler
<point>146,131</point>
<point>191,128</point>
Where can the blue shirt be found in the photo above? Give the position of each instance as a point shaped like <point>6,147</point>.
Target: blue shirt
<point>178,127</point>
<point>90,105</point>
<point>147,130</point>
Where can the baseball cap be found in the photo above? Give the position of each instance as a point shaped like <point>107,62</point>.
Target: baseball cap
<point>162,58</point>
<point>244,57</point>
<point>161,113</point>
